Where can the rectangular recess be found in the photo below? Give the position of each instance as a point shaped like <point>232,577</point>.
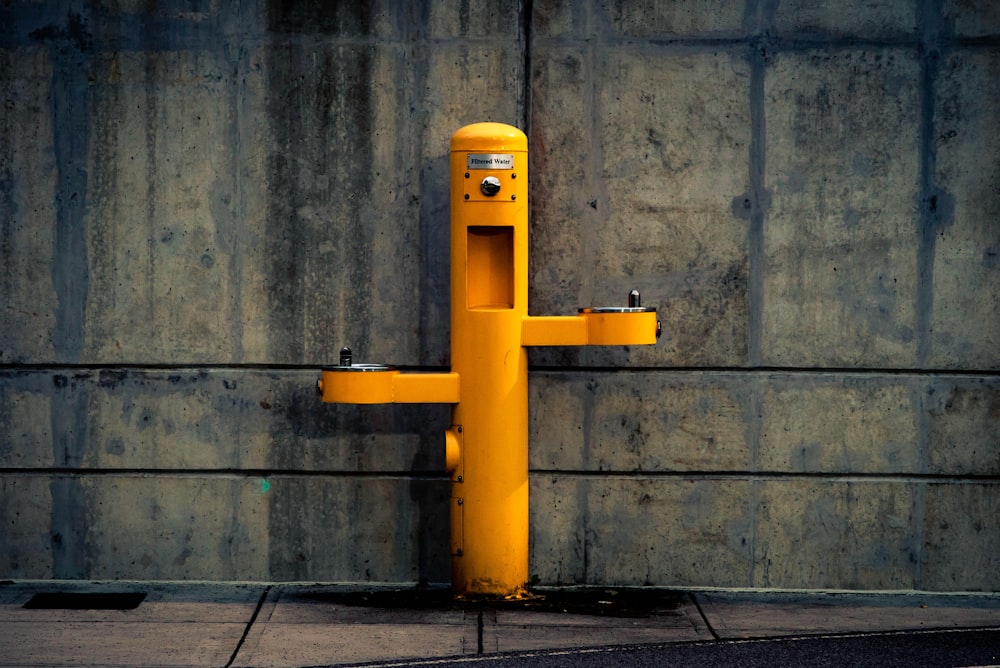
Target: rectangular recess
<point>56,600</point>
<point>490,267</point>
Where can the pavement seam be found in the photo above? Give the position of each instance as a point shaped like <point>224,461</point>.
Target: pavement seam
<point>246,631</point>
<point>704,617</point>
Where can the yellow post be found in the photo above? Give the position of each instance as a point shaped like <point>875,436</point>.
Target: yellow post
<point>486,447</point>
<point>489,300</point>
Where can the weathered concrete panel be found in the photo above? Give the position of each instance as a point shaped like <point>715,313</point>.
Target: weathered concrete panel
<point>620,203</point>
<point>28,295</point>
<point>216,198</point>
<point>820,534</point>
<point>475,19</point>
<point>965,321</point>
<point>391,438</point>
<point>560,419</point>
<point>846,18</point>
<point>461,82</point>
<point>638,422</point>
<point>245,254</point>
<point>964,426</point>
<point>178,526</point>
<point>318,245</point>
<point>167,527</point>
<point>324,18</point>
<point>962,537</point>
<point>344,529</point>
<point>25,512</point>
<point>174,421</point>
<point>234,419</point>
<point>557,535</point>
<point>562,183</point>
<point>972,18</point>
<point>640,531</point>
<point>838,425</point>
<point>482,82</point>
<point>353,208</point>
<point>675,132</point>
<point>26,424</point>
<point>553,18</point>
<point>160,260</point>
<point>840,244</point>
<point>690,18</point>
<point>357,244</point>
<point>402,207</point>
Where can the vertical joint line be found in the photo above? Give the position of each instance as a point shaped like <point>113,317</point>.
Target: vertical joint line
<point>753,437</point>
<point>759,202</point>
<point>930,17</point>
<point>704,617</point>
<point>249,626</point>
<point>920,403</point>
<point>527,10</point>
<point>479,633</point>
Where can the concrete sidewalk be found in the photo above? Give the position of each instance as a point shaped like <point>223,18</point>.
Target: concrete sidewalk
<point>234,624</point>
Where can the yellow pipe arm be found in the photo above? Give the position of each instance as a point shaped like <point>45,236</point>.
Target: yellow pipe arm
<point>554,330</point>
<point>425,388</point>
<point>590,329</point>
<point>388,387</point>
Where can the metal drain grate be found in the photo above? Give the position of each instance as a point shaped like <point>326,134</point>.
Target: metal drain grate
<point>92,601</point>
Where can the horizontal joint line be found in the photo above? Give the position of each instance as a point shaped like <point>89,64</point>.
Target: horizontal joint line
<point>65,471</point>
<point>760,476</point>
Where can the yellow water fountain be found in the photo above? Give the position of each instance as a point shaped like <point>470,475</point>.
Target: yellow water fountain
<point>486,446</point>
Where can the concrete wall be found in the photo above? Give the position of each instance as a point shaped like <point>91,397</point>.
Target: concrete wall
<point>201,202</point>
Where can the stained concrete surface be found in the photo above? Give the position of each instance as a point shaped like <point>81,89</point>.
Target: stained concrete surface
<point>177,624</point>
<point>252,624</point>
<point>200,203</point>
<point>745,615</point>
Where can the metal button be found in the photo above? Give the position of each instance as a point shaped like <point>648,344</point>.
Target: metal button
<point>490,186</point>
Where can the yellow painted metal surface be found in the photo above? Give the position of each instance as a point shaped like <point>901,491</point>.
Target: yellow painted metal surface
<point>341,386</point>
<point>486,448</point>
<point>621,329</point>
<point>554,330</point>
<point>624,328</point>
<point>426,388</point>
<point>489,300</point>
<point>357,387</point>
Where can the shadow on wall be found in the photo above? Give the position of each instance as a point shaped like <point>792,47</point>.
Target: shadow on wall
<point>345,464</point>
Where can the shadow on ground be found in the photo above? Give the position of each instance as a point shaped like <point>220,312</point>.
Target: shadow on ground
<point>603,601</point>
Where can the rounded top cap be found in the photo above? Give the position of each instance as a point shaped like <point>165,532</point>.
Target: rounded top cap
<point>489,137</point>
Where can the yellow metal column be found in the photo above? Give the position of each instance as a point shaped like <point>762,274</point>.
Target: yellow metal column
<point>489,300</point>
<point>486,447</point>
